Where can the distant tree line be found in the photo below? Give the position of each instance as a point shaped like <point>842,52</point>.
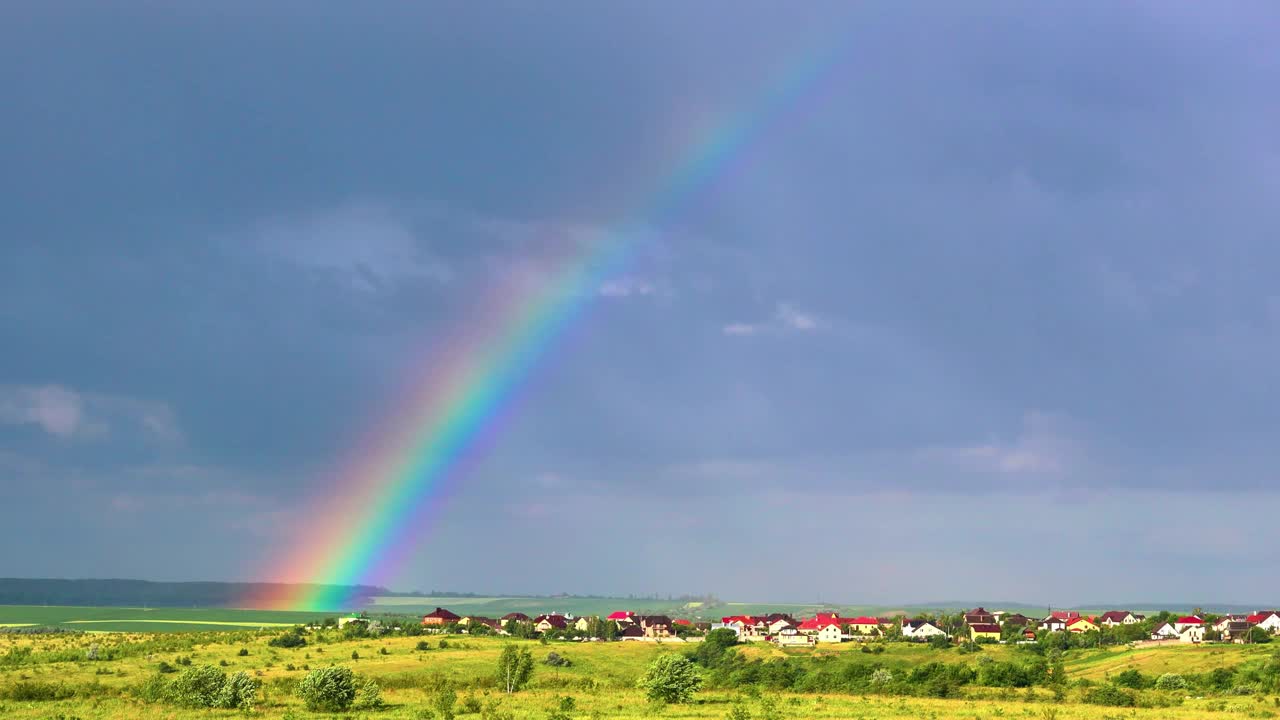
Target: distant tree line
<point>140,593</point>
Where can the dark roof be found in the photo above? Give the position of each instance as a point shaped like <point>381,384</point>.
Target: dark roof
<point>985,627</point>
<point>515,616</point>
<point>1114,615</point>
<point>442,614</point>
<point>1017,619</point>
<point>655,620</point>
<point>631,631</point>
<point>556,621</point>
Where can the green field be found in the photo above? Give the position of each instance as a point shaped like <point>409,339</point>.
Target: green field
<point>601,679</point>
<point>112,619</point>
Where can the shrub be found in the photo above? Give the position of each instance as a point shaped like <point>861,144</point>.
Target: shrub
<point>555,659</point>
<point>369,695</point>
<point>1131,679</point>
<point>471,704</point>
<point>290,639</point>
<point>165,668</point>
<point>355,655</point>
<point>1110,695</point>
<point>670,679</point>
<point>198,687</point>
<point>1171,681</point>
<point>32,691</point>
<point>738,712</point>
<point>244,652</point>
<point>238,692</point>
<point>444,703</point>
<point>881,676</point>
<point>422,645</point>
<point>331,689</point>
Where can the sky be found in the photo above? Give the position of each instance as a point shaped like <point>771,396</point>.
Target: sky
<point>988,311</point>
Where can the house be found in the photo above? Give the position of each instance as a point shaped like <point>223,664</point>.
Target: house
<point>440,616</point>
<point>1016,620</point>
<point>346,620</point>
<point>920,630</point>
<point>631,632</point>
<point>1225,620</point>
<point>984,631</point>
<point>1029,635</point>
<point>1268,620</point>
<point>1236,631</point>
<point>1064,615</point>
<point>622,617</point>
<point>1112,618</point>
<point>979,616</point>
<point>470,620</point>
<point>515,616</point>
<point>772,618</point>
<point>735,628</point>
<point>655,626</point>
<point>583,623</point>
<point>1053,624</point>
<point>546,623</point>
<point>790,637</point>
<point>1080,625</point>
<point>776,626</point>
<point>1192,634</point>
<point>749,628</point>
<point>814,624</point>
<point>682,622</point>
<point>1165,632</point>
<point>862,625</point>
<point>830,633</point>
<point>1187,621</point>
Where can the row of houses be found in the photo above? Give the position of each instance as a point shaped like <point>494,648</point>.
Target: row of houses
<point>630,626</point>
<point>979,624</point>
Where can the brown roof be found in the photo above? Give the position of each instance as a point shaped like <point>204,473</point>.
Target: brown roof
<point>442,614</point>
<point>655,620</point>
<point>515,616</point>
<point>985,627</point>
<point>631,631</point>
<point>1114,615</point>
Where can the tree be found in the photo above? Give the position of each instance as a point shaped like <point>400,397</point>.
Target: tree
<point>670,679</point>
<point>515,666</point>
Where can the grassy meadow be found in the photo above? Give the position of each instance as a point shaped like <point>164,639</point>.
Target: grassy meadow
<point>601,679</point>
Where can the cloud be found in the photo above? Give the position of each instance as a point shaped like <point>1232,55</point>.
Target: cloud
<point>55,409</point>
<point>1042,446</point>
<point>366,246</point>
<point>626,287</point>
<point>786,318</point>
<point>67,413</point>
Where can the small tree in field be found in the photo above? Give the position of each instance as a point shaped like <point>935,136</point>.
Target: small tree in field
<point>330,689</point>
<point>514,668</point>
<point>670,679</point>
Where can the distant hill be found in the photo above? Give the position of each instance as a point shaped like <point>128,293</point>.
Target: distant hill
<point>142,593</point>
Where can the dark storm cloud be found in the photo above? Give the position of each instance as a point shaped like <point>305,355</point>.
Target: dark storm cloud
<point>1001,254</point>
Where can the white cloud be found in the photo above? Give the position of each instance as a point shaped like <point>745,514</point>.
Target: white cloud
<point>626,287</point>
<point>786,318</point>
<point>1041,447</point>
<point>67,413</point>
<point>368,247</point>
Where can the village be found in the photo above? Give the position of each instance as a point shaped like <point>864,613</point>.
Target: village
<point>977,625</point>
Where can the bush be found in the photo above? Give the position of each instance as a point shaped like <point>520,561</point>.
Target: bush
<point>198,687</point>
<point>31,691</point>
<point>244,652</point>
<point>555,659</point>
<point>1131,679</point>
<point>238,692</point>
<point>290,639</point>
<point>331,689</point>
<point>369,695</point>
<point>1110,695</point>
<point>471,704</point>
<point>444,703</point>
<point>422,645</point>
<point>1171,681</point>
<point>670,679</point>
<point>165,668</point>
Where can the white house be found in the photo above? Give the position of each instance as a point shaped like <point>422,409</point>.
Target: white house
<point>1268,620</point>
<point>1164,632</point>
<point>777,626</point>
<point>830,633</point>
<point>790,637</point>
<point>1192,634</point>
<point>1053,624</point>
<point>1226,620</point>
<point>736,627</point>
<point>1187,621</point>
<point>920,630</point>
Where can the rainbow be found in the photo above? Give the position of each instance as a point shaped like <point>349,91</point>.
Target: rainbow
<point>395,479</point>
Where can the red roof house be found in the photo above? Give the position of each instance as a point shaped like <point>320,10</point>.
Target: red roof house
<point>439,616</point>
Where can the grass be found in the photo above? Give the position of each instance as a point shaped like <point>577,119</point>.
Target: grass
<point>115,619</point>
<point>601,678</point>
